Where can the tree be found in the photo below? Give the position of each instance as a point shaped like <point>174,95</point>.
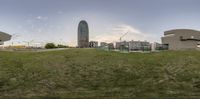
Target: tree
<point>61,46</point>
<point>50,46</point>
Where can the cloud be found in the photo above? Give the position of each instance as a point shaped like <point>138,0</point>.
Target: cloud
<point>41,18</point>
<point>126,28</point>
<point>106,38</point>
<point>72,43</point>
<point>117,31</point>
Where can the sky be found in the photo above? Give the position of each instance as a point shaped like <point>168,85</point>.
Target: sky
<point>42,21</point>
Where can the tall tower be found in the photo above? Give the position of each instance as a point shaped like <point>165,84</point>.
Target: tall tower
<point>83,34</point>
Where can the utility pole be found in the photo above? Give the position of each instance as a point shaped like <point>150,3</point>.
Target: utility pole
<point>14,37</point>
<point>28,43</point>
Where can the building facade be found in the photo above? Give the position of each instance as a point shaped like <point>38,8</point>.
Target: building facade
<point>157,46</point>
<point>83,35</point>
<point>181,39</point>
<point>121,45</point>
<point>93,44</point>
<point>4,37</point>
<point>111,46</point>
<point>139,46</point>
<point>133,45</point>
<point>103,44</point>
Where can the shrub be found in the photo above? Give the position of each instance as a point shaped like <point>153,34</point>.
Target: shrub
<point>50,46</point>
<point>62,46</point>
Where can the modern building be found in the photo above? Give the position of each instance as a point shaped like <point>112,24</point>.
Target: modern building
<point>103,44</point>
<point>111,46</point>
<point>157,46</point>
<point>83,34</point>
<point>181,39</point>
<point>4,37</point>
<point>93,44</point>
<point>133,45</point>
<point>121,45</point>
<point>139,46</point>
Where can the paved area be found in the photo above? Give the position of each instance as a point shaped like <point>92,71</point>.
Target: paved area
<point>34,50</point>
<point>46,50</point>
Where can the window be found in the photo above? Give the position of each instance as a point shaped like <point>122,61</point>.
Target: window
<point>169,35</point>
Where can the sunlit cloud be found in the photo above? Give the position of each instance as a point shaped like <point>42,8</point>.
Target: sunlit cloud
<point>119,30</point>
<point>126,28</point>
<point>107,38</point>
<point>72,43</point>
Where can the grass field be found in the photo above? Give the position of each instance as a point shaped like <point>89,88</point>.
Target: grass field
<point>96,74</point>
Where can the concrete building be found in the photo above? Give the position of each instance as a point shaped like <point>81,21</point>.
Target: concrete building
<point>4,37</point>
<point>139,46</point>
<point>121,45</point>
<point>181,39</point>
<point>133,45</point>
<point>111,46</point>
<point>157,46</point>
<point>93,44</point>
<point>83,35</point>
<point>103,44</point>
<point>107,46</point>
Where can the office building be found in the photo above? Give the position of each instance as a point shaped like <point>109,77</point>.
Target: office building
<point>83,35</point>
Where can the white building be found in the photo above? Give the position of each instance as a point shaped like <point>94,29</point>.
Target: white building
<point>119,45</point>
<point>139,45</point>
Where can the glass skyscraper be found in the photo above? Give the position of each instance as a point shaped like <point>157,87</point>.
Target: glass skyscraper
<point>83,35</point>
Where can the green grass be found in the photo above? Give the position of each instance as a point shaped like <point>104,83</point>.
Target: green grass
<point>96,74</point>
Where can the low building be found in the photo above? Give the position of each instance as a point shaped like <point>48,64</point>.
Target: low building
<point>93,44</point>
<point>106,46</point>
<point>157,46</point>
<point>121,45</point>
<point>133,45</point>
<point>103,44</point>
<point>181,39</point>
<point>111,46</point>
<point>4,37</point>
<point>139,46</point>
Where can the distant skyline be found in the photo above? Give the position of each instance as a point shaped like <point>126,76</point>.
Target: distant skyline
<point>57,20</point>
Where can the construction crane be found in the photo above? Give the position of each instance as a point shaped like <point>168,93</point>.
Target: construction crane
<point>121,44</point>
<point>122,36</point>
